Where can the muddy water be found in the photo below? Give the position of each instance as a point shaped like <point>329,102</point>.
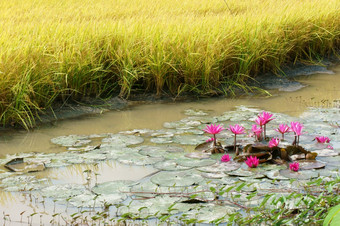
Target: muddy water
<point>322,91</point>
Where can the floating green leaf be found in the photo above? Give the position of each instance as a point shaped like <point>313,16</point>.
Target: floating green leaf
<point>110,187</point>
<point>180,178</point>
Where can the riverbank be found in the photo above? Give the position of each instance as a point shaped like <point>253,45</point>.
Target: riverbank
<point>54,51</point>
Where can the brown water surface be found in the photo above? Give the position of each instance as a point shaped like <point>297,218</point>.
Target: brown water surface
<point>322,90</point>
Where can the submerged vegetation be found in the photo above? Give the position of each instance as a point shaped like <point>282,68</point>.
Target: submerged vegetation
<point>56,50</point>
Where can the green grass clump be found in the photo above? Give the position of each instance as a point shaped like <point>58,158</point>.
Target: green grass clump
<point>56,49</point>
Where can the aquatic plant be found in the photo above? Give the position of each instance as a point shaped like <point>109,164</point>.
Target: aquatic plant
<point>210,140</point>
<point>101,49</point>
<point>274,142</point>
<point>257,132</point>
<point>225,158</point>
<point>237,129</point>
<point>294,166</point>
<point>213,130</point>
<point>283,128</point>
<point>322,139</point>
<point>252,161</point>
<point>296,127</point>
<point>262,119</point>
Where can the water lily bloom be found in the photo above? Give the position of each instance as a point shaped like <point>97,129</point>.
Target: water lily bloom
<point>252,161</point>
<point>274,142</point>
<point>262,119</point>
<point>210,139</point>
<point>213,129</point>
<point>283,129</point>
<point>259,121</point>
<point>257,132</point>
<point>296,127</point>
<point>266,117</point>
<point>330,147</point>
<point>225,158</point>
<point>294,166</point>
<point>237,129</point>
<point>322,139</point>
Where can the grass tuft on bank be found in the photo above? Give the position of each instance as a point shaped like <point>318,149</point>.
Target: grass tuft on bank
<point>59,49</point>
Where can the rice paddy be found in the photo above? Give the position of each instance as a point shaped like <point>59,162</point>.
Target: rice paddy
<point>67,49</point>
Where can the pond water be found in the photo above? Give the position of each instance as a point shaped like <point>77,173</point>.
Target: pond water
<point>322,92</point>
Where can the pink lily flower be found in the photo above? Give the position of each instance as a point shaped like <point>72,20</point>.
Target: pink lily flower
<point>262,119</point>
<point>259,121</point>
<point>296,127</point>
<point>213,129</point>
<point>322,139</point>
<point>237,129</point>
<point>294,166</point>
<point>266,117</point>
<point>210,139</point>
<point>257,132</point>
<point>283,129</point>
<point>252,162</point>
<point>274,142</point>
<point>330,147</point>
<point>225,158</point>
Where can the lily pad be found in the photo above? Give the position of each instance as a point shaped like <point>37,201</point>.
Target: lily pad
<point>205,146</point>
<point>138,159</point>
<point>123,140</point>
<point>210,212</point>
<point>91,157</point>
<point>162,140</point>
<point>198,155</point>
<point>174,155</point>
<point>310,164</point>
<point>116,152</point>
<point>113,187</point>
<point>221,167</point>
<point>246,173</point>
<point>177,179</point>
<point>71,140</point>
<point>217,175</point>
<point>190,139</point>
<point>154,207</point>
<point>326,152</point>
<point>174,149</point>
<point>23,183</point>
<point>62,192</point>
<point>147,189</point>
<point>275,175</point>
<point>153,151</point>
<point>188,162</point>
<point>89,199</point>
<point>170,165</point>
<point>182,124</point>
<point>303,174</point>
<point>18,165</point>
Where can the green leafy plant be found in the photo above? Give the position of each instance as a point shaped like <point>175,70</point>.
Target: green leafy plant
<point>333,217</point>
